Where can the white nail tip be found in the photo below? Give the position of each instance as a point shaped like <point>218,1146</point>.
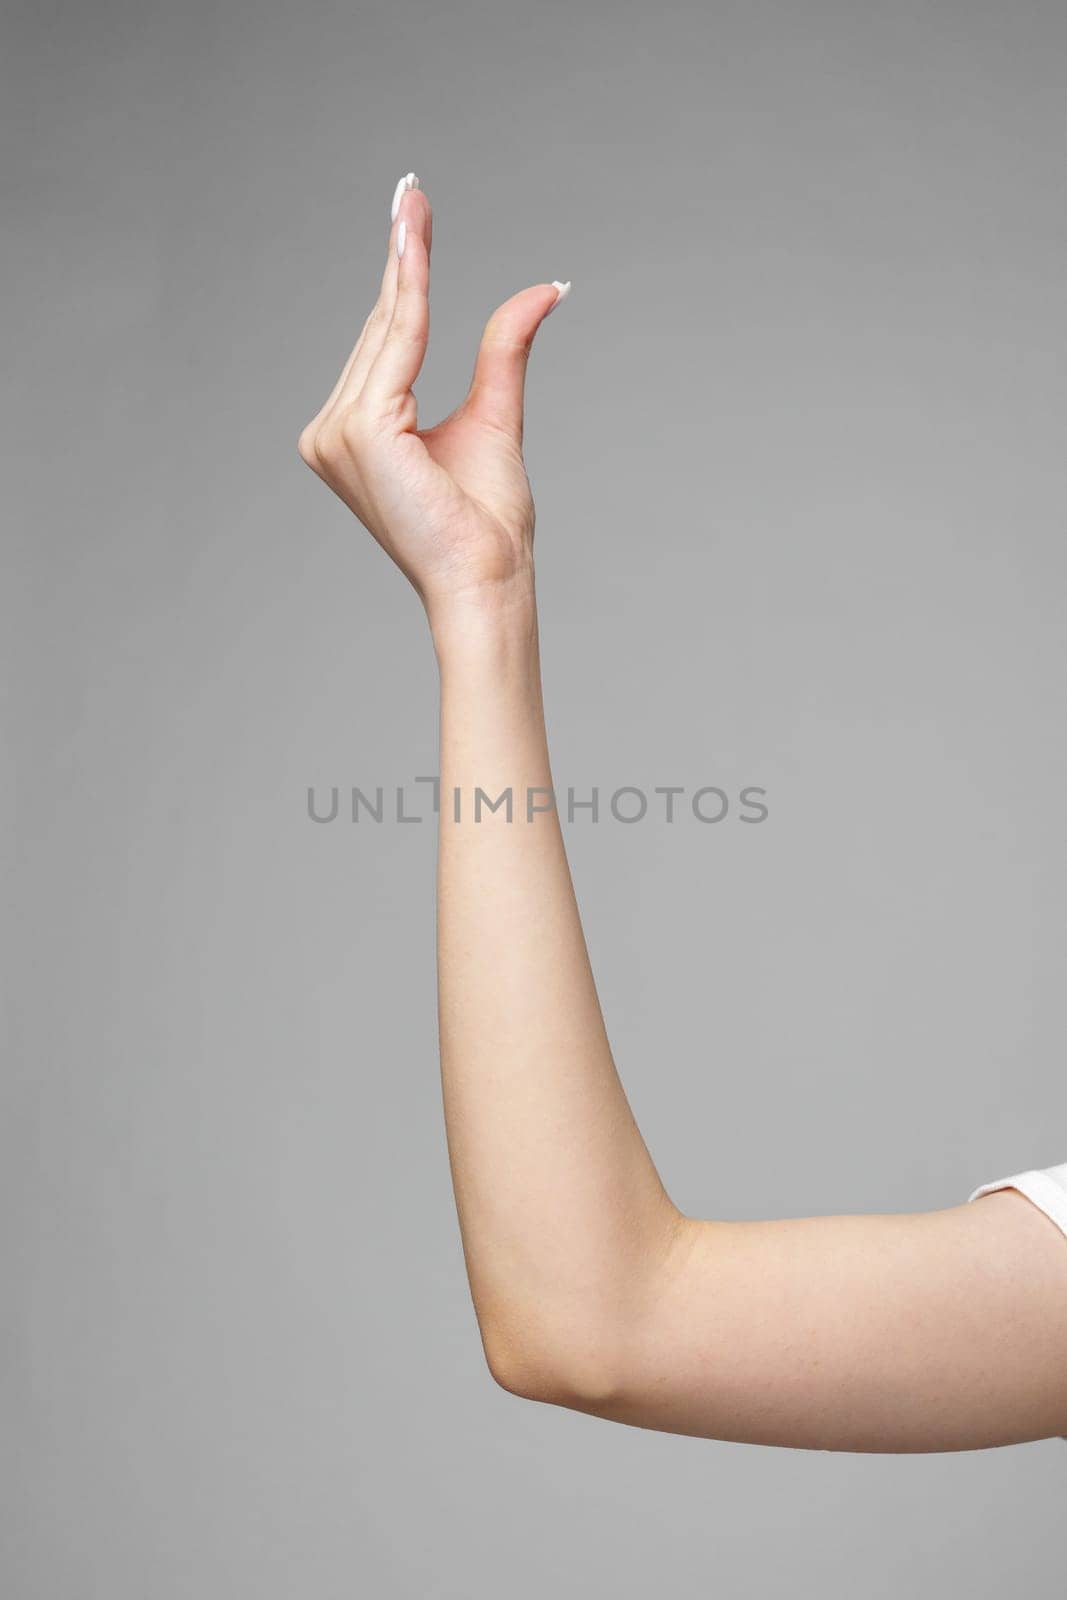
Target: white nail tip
<point>408,181</point>
<point>562,291</point>
<point>401,239</point>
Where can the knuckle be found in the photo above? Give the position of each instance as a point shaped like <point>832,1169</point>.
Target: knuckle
<point>325,446</point>
<point>306,445</point>
<point>397,414</point>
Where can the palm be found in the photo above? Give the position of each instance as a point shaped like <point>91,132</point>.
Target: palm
<point>454,504</point>
<point>486,469</point>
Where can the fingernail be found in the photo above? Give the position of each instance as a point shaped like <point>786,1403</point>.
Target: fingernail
<point>562,291</point>
<point>408,181</point>
<point>401,239</point>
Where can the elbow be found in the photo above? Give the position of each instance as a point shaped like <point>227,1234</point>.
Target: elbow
<point>595,1350</point>
<point>580,1369</point>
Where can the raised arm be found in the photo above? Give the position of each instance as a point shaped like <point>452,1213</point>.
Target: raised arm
<point>934,1331</point>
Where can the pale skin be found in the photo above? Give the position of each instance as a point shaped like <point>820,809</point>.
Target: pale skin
<point>940,1330</point>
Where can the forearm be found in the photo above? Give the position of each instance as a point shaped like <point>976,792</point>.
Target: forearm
<point>943,1330</point>
<point>565,1223</point>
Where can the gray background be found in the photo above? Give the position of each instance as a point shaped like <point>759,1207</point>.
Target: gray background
<point>797,444</point>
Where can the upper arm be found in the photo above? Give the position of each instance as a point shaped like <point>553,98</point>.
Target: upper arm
<point>943,1330</point>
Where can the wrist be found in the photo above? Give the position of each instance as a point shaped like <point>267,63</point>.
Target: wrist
<point>492,622</point>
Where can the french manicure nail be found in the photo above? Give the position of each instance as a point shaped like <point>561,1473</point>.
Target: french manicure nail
<point>401,239</point>
<point>562,291</point>
<point>408,181</point>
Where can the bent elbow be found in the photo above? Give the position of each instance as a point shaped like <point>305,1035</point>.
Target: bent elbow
<point>578,1372</point>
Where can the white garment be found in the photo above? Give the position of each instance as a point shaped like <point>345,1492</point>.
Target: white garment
<point>1047,1189</point>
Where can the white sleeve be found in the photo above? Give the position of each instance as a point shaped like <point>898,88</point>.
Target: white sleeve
<point>1047,1188</point>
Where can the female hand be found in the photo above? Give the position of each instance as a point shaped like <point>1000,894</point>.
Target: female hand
<point>450,504</point>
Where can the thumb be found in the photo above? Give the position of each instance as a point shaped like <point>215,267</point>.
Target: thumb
<point>496,389</point>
